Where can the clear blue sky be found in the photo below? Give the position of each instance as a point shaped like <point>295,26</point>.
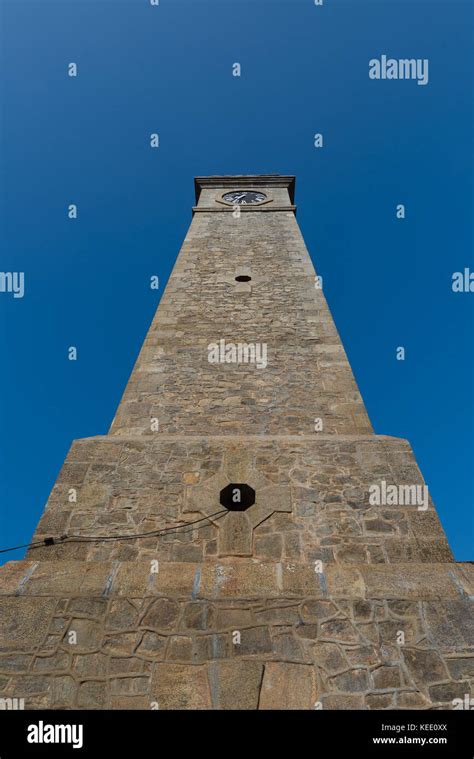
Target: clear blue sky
<point>168,69</point>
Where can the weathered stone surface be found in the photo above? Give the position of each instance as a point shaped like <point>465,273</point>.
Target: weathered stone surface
<point>15,663</point>
<point>462,668</point>
<point>342,701</point>
<point>339,630</point>
<point>235,685</point>
<point>314,611</point>
<point>300,580</point>
<point>120,644</point>
<point>23,622</point>
<point>386,677</point>
<point>412,700</point>
<point>63,692</point>
<point>13,576</point>
<point>390,631</point>
<point>87,665</point>
<point>379,700</point>
<point>198,616</point>
<point>450,625</point>
<point>286,647</point>
<point>364,655</point>
<point>88,635</point>
<point>27,685</point>
<point>152,645</point>
<point>352,681</point>
<point>162,614</point>
<point>210,647</point>
<point>92,695</point>
<point>56,662</point>
<point>131,702</point>
<point>344,582</point>
<point>409,581</point>
<point>90,607</point>
<point>235,535</point>
<point>288,686</point>
<point>178,686</point>
<point>447,692</point>
<point>307,631</point>
<point>330,657</point>
<point>269,546</point>
<point>234,619</point>
<point>278,615</point>
<point>122,615</point>
<point>403,608</point>
<point>254,641</point>
<point>187,553</point>
<point>180,648</point>
<point>130,686</point>
<point>124,665</point>
<point>424,666</point>
<point>238,580</point>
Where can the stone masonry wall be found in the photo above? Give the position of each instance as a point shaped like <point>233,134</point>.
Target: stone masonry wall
<point>131,486</point>
<point>359,637</point>
<point>308,374</point>
<point>314,596</point>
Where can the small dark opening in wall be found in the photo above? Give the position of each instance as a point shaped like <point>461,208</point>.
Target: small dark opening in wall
<point>237,497</point>
<point>243,278</point>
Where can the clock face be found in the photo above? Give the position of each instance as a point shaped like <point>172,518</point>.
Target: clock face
<point>244,197</point>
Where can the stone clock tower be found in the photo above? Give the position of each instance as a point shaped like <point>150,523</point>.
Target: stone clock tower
<point>240,539</point>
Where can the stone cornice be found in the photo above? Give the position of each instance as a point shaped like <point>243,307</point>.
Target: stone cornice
<point>231,579</point>
<point>246,181</point>
<point>243,209</point>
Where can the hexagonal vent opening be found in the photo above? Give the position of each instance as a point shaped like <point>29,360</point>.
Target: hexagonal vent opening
<point>243,278</point>
<point>237,497</point>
